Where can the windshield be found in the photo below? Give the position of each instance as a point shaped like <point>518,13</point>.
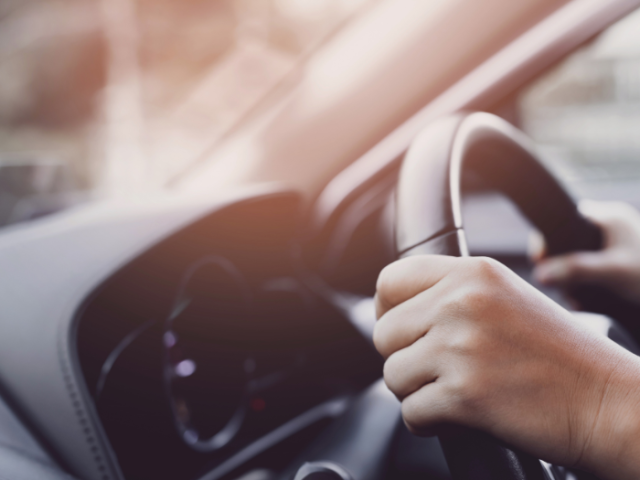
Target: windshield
<point>584,114</point>
<point>117,97</point>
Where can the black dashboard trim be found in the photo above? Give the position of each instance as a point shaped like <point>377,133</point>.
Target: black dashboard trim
<point>327,410</point>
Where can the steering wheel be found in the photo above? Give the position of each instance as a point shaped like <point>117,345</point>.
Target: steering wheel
<point>429,221</point>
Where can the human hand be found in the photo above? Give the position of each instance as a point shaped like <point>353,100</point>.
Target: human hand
<point>468,342</point>
<point>617,266</point>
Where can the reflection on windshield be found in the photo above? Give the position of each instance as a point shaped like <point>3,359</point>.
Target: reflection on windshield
<point>115,97</point>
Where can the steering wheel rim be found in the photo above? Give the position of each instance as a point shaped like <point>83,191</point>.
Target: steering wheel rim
<point>429,221</point>
<point>429,187</point>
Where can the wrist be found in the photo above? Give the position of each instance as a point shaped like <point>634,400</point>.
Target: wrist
<point>612,448</point>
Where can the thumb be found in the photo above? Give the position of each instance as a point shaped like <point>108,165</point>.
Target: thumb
<point>582,267</point>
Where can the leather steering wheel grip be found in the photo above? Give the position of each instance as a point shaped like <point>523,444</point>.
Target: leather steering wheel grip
<point>429,220</point>
<point>429,188</point>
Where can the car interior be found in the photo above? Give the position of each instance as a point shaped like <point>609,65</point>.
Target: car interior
<point>223,331</point>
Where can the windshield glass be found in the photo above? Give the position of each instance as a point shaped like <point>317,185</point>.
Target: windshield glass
<point>116,97</point>
<point>584,114</point>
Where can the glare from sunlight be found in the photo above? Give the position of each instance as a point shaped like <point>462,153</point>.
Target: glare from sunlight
<point>140,89</point>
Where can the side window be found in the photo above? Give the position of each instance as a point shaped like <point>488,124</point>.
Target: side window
<point>584,114</point>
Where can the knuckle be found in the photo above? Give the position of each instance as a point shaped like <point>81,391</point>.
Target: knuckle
<point>467,394</point>
<point>388,281</point>
<point>387,278</point>
<point>484,263</point>
<point>470,300</point>
<point>420,417</point>
<point>466,342</point>
<point>413,414</point>
<point>487,268</point>
<point>382,291</point>
<point>476,298</point>
<point>483,268</point>
<point>390,375</point>
<point>381,338</point>
<point>384,279</point>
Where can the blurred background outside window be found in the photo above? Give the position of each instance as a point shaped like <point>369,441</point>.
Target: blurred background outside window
<point>584,114</point>
<point>108,98</point>
<point>113,98</point>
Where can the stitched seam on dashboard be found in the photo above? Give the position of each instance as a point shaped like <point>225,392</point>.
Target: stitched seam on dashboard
<point>82,416</point>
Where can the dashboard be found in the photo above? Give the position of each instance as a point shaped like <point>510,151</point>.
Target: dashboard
<point>215,348</point>
<point>213,341</point>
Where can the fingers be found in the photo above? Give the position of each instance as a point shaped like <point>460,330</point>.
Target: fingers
<point>427,408</point>
<point>408,277</point>
<point>428,309</point>
<point>616,219</point>
<point>604,213</point>
<point>536,246</point>
<point>583,267</point>
<point>405,323</point>
<point>613,266</point>
<point>413,294</point>
<point>409,369</point>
